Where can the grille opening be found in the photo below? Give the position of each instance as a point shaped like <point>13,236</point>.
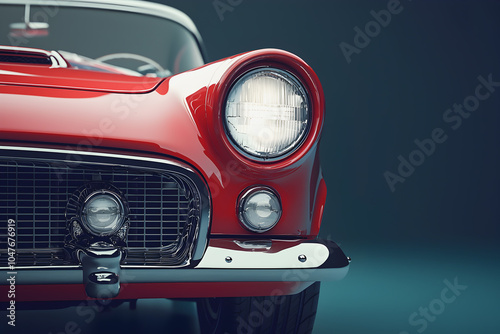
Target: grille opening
<point>164,211</point>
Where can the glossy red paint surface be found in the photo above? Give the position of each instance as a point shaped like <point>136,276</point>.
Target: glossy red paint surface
<point>44,76</point>
<point>179,120</point>
<point>65,292</point>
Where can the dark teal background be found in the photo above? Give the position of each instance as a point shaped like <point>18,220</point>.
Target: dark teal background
<point>393,92</point>
<point>440,224</point>
<point>443,221</point>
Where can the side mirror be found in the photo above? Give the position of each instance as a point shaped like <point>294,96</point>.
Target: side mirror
<point>29,29</point>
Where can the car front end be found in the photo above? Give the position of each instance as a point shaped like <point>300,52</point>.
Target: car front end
<point>168,180</point>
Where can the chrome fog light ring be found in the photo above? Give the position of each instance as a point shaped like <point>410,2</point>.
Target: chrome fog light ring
<point>103,212</point>
<point>259,209</point>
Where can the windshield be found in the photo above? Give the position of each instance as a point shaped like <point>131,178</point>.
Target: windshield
<point>139,42</point>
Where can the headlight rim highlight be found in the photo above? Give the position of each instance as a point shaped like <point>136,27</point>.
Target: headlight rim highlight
<point>296,144</point>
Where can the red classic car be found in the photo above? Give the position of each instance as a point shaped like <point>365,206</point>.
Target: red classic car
<point>131,169</point>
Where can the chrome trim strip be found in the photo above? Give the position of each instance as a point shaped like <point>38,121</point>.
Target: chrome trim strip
<point>129,266</point>
<point>40,267</point>
<point>255,244</point>
<point>317,255</point>
<point>96,154</point>
<point>26,50</point>
<point>57,60</point>
<point>287,258</point>
<point>215,258</point>
<point>2,72</point>
<point>186,275</point>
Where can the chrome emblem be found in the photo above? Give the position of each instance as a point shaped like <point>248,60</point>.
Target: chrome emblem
<point>103,278</point>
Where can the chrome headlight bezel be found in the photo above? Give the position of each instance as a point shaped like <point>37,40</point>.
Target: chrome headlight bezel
<point>285,79</point>
<point>246,196</point>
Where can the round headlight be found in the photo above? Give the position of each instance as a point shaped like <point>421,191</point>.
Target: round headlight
<point>260,209</point>
<point>103,213</point>
<point>267,113</point>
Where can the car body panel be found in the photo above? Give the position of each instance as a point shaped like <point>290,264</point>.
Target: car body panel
<point>175,121</point>
<point>80,114</point>
<point>69,78</point>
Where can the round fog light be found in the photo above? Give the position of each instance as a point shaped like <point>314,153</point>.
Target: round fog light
<point>103,213</point>
<point>260,209</point>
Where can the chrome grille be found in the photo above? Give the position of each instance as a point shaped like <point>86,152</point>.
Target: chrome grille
<point>164,210</point>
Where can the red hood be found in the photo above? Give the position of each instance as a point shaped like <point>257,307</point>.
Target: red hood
<point>42,76</point>
<point>86,109</point>
<point>177,116</point>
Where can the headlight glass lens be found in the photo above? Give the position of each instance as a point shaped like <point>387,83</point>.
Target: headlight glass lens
<point>103,213</point>
<point>260,210</point>
<point>267,113</point>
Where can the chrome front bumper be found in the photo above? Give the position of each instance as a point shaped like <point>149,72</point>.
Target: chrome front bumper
<point>224,261</point>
